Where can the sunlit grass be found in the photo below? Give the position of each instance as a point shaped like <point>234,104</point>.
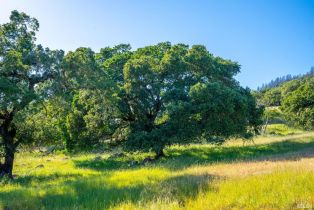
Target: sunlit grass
<point>275,173</point>
<point>282,129</point>
<point>287,189</point>
<point>277,190</point>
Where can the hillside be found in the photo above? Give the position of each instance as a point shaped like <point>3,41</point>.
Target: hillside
<point>291,103</point>
<point>273,96</point>
<point>280,80</point>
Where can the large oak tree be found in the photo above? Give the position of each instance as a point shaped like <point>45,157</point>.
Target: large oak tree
<point>173,94</point>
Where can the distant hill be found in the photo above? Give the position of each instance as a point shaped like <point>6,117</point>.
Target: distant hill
<point>289,100</point>
<point>280,80</point>
<point>272,93</point>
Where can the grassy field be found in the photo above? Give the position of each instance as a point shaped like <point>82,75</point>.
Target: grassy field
<point>277,172</point>
<point>282,129</point>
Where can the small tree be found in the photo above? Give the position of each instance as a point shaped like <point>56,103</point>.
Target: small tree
<point>27,71</point>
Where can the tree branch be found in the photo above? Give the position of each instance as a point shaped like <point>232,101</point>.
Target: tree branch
<point>35,79</point>
<point>17,143</point>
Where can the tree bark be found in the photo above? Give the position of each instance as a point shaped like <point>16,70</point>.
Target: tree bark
<point>8,132</point>
<point>7,167</point>
<point>9,150</point>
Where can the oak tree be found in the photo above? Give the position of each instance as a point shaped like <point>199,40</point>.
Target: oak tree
<point>27,70</point>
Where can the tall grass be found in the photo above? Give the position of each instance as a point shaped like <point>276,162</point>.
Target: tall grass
<point>276,173</point>
<point>282,129</point>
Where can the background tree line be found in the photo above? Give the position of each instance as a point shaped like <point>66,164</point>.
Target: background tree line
<point>294,101</point>
<point>280,80</point>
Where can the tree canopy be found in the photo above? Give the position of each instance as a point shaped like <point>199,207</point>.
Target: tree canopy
<point>26,72</point>
<point>298,105</point>
<point>144,99</point>
<point>176,94</point>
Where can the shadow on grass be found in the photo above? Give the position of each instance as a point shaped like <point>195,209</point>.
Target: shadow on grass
<point>182,157</point>
<point>95,193</point>
<point>29,180</point>
<point>100,192</point>
<point>104,164</point>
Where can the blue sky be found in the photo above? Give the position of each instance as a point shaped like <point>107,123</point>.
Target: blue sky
<point>269,38</point>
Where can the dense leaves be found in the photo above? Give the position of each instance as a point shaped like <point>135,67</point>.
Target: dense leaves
<point>176,94</point>
<point>27,71</point>
<point>299,105</point>
<point>144,99</point>
<point>295,100</point>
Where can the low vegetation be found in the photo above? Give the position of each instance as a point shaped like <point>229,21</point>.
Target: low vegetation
<point>282,129</point>
<point>274,173</point>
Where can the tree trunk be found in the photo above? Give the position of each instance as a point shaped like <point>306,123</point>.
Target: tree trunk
<point>265,126</point>
<point>8,132</point>
<point>9,150</point>
<point>7,167</point>
<point>159,153</point>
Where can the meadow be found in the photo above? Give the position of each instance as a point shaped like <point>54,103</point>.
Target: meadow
<point>273,172</point>
<point>107,125</point>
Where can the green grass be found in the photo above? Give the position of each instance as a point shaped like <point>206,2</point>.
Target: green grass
<point>276,173</point>
<point>282,129</point>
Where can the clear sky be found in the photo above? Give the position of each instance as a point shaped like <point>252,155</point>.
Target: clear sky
<point>269,38</point>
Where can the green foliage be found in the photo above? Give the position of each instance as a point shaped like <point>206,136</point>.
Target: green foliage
<point>86,113</point>
<point>176,94</point>
<point>290,86</point>
<point>295,100</point>
<point>27,78</point>
<point>148,98</point>
<point>282,130</point>
<point>81,71</point>
<point>272,97</point>
<point>273,115</point>
<point>90,120</point>
<point>298,105</point>
<point>275,96</point>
